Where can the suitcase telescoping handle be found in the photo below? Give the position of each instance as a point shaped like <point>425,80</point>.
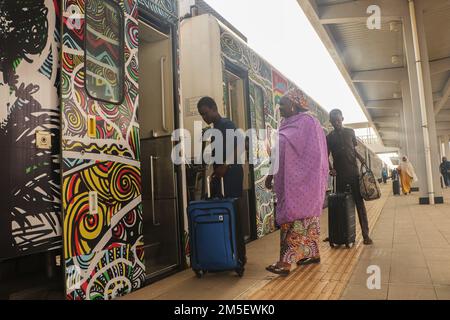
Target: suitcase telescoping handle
<point>334,185</point>
<point>208,183</point>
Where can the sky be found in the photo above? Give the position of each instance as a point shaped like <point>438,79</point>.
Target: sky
<point>279,31</point>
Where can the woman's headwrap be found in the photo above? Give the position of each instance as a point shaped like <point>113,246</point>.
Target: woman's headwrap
<point>297,98</point>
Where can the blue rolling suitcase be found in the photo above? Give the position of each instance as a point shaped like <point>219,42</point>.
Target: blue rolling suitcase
<point>215,239</point>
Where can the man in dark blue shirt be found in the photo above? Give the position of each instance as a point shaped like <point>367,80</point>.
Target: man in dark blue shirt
<point>228,168</point>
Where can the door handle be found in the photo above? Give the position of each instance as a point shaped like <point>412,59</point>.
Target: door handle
<point>163,96</point>
<point>152,181</point>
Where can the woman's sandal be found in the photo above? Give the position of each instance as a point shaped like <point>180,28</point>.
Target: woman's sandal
<point>274,268</point>
<point>306,261</point>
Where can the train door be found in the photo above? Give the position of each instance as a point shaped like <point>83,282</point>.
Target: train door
<point>237,111</point>
<point>101,175</point>
<point>156,119</point>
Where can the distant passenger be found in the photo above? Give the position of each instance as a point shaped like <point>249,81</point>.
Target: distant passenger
<point>407,175</point>
<point>384,174</point>
<point>394,175</point>
<point>445,171</point>
<point>342,146</point>
<point>229,169</point>
<point>300,184</point>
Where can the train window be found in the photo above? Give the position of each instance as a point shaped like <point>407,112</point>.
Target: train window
<point>104,56</point>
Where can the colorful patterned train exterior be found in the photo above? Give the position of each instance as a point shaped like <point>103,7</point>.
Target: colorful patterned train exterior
<point>103,252</point>
<point>205,72</point>
<point>264,114</point>
<point>30,204</point>
<point>47,194</point>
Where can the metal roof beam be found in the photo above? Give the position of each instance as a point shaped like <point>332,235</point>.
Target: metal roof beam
<point>356,11</point>
<point>437,96</point>
<point>445,96</point>
<point>427,5</point>
<point>393,75</point>
<point>442,133</point>
<point>440,66</point>
<point>389,129</point>
<point>391,104</point>
<point>391,143</point>
<point>358,125</point>
<point>442,126</point>
<point>391,122</point>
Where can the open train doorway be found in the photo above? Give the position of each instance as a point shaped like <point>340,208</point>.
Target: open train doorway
<point>236,108</point>
<point>157,122</point>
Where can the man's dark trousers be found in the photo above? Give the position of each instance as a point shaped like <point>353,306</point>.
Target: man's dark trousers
<point>233,189</point>
<point>353,182</point>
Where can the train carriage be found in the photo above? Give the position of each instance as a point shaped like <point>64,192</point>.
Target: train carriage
<point>87,189</point>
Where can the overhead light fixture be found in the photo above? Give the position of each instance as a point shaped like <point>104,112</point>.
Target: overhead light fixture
<point>396,59</point>
<point>395,26</point>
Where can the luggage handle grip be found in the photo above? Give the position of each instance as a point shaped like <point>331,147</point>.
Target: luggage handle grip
<point>334,185</point>
<point>208,183</point>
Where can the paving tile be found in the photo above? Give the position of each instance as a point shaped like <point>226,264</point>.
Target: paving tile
<point>433,244</point>
<point>413,248</point>
<point>381,244</point>
<point>408,259</point>
<point>361,292</point>
<point>376,253</point>
<point>440,272</point>
<point>410,240</point>
<point>409,292</point>
<point>437,254</point>
<point>442,292</point>
<point>409,275</point>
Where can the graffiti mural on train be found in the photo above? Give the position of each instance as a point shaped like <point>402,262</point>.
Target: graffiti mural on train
<point>266,86</point>
<point>260,77</point>
<point>30,218</point>
<point>104,255</point>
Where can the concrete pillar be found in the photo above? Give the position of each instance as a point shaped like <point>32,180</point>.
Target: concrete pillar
<point>435,161</point>
<point>411,111</point>
<point>408,124</point>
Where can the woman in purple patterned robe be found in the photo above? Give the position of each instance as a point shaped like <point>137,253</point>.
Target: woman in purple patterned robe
<point>300,182</point>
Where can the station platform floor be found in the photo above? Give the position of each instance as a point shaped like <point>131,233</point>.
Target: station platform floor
<point>411,247</point>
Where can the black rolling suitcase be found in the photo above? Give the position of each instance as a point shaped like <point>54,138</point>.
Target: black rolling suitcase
<point>396,187</point>
<point>341,219</point>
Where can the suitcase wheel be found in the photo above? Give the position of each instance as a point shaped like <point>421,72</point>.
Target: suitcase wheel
<point>240,272</point>
<point>199,273</point>
<point>349,245</point>
<point>332,245</point>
